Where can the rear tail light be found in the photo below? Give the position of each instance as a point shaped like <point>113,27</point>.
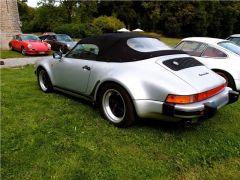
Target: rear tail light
<point>186,99</point>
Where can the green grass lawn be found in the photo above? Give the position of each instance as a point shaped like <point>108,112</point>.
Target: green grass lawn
<point>55,136</point>
<point>4,54</point>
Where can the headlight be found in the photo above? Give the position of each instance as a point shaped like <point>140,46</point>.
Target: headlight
<point>49,46</point>
<point>68,45</point>
<point>29,46</point>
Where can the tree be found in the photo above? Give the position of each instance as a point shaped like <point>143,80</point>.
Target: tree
<point>152,9</point>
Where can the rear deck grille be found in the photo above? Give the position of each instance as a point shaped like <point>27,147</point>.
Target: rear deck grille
<point>181,63</point>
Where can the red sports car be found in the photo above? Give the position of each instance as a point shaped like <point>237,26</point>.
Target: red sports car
<point>29,44</point>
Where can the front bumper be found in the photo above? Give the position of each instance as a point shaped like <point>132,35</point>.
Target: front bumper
<point>32,52</point>
<point>176,112</point>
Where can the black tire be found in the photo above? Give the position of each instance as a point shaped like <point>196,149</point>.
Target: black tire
<point>62,49</point>
<point>23,51</point>
<point>44,81</point>
<point>116,105</point>
<point>228,78</point>
<point>10,47</point>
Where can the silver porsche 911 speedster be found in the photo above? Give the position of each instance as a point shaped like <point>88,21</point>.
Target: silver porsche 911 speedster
<point>131,75</point>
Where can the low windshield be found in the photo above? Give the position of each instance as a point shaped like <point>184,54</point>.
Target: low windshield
<point>64,37</point>
<point>230,46</point>
<point>29,38</point>
<point>147,44</point>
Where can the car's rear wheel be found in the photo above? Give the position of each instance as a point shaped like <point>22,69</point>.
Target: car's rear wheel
<point>44,81</point>
<point>228,78</point>
<point>10,47</point>
<point>116,105</point>
<point>23,51</point>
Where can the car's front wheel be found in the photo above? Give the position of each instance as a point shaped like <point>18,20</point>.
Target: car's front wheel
<point>44,81</point>
<point>23,51</point>
<point>116,105</point>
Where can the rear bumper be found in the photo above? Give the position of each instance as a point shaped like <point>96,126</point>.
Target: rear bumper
<point>175,112</point>
<point>237,83</point>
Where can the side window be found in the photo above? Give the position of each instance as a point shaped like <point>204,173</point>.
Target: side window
<point>84,51</point>
<point>42,37</point>
<point>16,37</point>
<point>235,40</point>
<point>192,48</point>
<point>213,52</point>
<point>50,38</point>
<point>179,46</point>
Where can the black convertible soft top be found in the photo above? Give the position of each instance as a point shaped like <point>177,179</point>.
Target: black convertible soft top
<point>113,48</point>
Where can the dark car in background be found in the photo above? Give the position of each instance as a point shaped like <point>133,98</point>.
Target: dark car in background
<point>59,42</point>
<point>235,38</point>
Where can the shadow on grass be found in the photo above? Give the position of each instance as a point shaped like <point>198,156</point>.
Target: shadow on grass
<point>180,126</point>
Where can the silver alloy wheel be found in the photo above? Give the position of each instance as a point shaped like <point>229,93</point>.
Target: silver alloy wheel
<point>42,80</point>
<point>113,105</point>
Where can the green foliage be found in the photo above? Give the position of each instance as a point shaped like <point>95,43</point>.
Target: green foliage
<point>89,30</point>
<point>71,29</point>
<point>175,18</point>
<point>108,24</point>
<point>78,30</point>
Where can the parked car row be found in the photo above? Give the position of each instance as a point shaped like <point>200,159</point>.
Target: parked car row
<point>31,44</point>
<point>130,75</point>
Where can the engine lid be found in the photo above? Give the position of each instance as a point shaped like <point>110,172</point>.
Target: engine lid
<point>192,72</point>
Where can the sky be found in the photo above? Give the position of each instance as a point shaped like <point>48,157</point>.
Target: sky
<point>32,3</point>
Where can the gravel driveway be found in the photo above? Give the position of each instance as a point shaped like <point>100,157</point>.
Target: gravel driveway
<point>19,62</point>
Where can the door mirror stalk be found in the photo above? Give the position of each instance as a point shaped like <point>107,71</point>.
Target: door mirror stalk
<point>57,55</point>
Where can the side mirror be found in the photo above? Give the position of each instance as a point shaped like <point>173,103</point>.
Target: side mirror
<point>57,55</point>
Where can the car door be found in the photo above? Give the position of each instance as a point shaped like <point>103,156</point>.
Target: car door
<point>72,72</point>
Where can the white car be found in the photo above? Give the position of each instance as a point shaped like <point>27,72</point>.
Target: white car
<point>235,38</point>
<point>222,56</point>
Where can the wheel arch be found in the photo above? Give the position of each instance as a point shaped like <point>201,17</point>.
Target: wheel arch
<point>225,72</point>
<point>46,68</point>
<point>96,95</point>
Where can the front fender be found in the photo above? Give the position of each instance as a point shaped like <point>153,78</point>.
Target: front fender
<point>46,64</point>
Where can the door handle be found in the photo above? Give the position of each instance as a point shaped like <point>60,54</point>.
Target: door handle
<point>86,68</point>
